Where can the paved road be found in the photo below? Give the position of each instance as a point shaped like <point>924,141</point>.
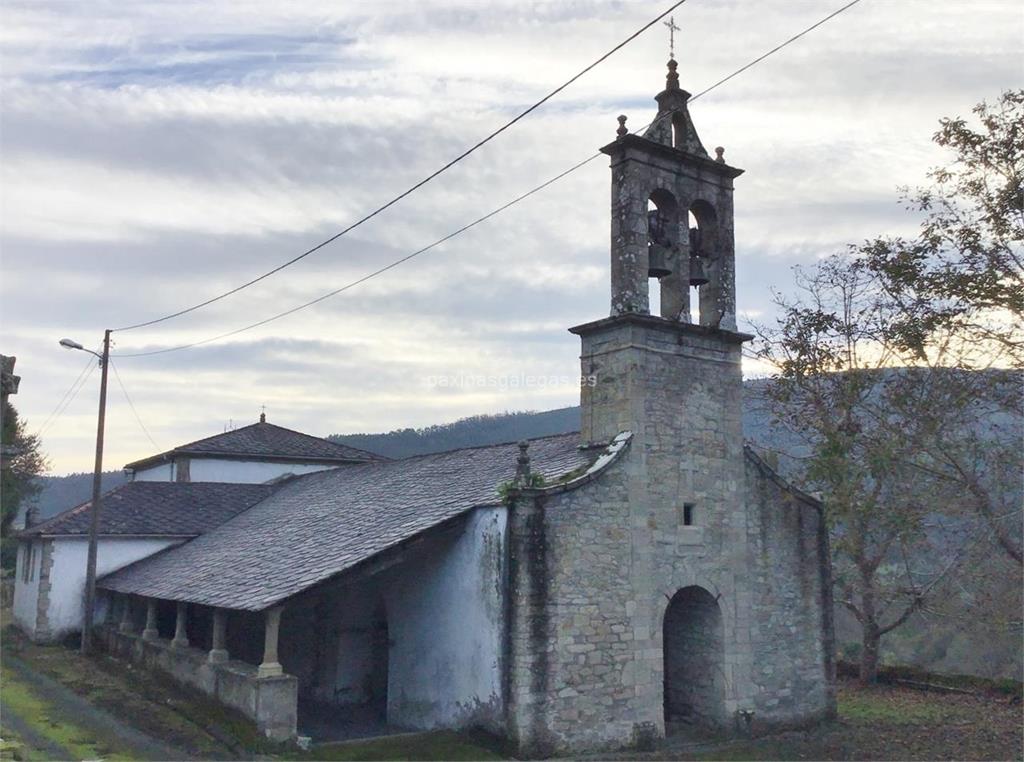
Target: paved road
<point>79,712</point>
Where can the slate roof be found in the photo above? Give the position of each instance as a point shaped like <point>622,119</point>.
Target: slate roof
<point>265,441</point>
<point>316,526</point>
<point>158,508</point>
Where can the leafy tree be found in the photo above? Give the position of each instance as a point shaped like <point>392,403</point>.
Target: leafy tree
<point>963,275</point>
<point>837,394</point>
<point>921,465</point>
<point>958,288</point>
<point>21,461</point>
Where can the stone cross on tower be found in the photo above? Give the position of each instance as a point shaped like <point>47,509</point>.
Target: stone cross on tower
<point>672,29</point>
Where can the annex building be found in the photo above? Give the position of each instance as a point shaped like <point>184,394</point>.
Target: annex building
<point>585,591</point>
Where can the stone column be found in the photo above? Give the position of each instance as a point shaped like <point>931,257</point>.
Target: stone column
<point>270,666</point>
<point>150,633</point>
<point>126,614</point>
<point>180,638</point>
<point>219,651</point>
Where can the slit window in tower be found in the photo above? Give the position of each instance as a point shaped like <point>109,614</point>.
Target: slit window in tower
<point>688,514</point>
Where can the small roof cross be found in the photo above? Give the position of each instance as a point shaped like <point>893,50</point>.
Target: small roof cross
<point>672,29</point>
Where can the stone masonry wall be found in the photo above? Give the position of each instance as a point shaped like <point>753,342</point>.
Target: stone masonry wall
<point>593,569</point>
<point>792,609</point>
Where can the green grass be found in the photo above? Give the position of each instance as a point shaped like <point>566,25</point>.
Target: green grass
<point>443,745</point>
<point>881,706</point>
<point>80,743</point>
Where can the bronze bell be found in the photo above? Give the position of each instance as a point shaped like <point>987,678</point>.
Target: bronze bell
<point>698,277</point>
<point>658,261</point>
<point>659,253</point>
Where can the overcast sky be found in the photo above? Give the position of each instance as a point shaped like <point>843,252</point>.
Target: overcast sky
<point>158,152</point>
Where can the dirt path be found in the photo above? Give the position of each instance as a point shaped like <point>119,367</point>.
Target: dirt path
<point>73,717</point>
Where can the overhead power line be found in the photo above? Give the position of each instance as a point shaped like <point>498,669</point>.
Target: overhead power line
<point>373,274</point>
<point>414,187</point>
<point>131,404</point>
<point>68,398</point>
<point>477,221</point>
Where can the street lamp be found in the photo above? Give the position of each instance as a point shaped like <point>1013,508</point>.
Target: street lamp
<point>94,519</point>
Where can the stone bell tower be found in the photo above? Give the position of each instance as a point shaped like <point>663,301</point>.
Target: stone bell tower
<point>672,229</point>
<point>674,381</point>
<point>678,584</point>
<point>661,181</point>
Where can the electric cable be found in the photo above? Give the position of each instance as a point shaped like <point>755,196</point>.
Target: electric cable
<point>60,402</point>
<point>59,411</point>
<point>131,404</point>
<point>414,187</point>
<point>479,220</point>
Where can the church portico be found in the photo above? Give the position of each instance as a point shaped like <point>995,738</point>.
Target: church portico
<point>269,700</point>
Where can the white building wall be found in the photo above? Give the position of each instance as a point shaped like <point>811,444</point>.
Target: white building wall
<point>445,618</point>
<point>247,471</point>
<point>232,471</point>
<point>443,604</point>
<point>161,473</point>
<point>26,592</point>
<point>67,573</point>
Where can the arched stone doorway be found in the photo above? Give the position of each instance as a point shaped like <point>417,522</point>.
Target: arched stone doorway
<point>694,670</point>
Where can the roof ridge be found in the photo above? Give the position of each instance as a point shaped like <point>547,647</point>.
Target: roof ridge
<point>337,445</point>
<point>335,450</point>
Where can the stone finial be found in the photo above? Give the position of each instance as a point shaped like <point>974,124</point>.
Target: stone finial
<point>263,414</point>
<point>523,465</point>
<point>720,155</point>
<point>622,126</point>
<point>672,78</point>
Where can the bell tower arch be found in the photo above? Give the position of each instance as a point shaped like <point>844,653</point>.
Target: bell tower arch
<point>669,166</point>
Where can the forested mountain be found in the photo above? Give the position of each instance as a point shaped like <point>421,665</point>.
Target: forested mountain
<point>468,432</point>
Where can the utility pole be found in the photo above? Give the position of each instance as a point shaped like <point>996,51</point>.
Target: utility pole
<point>94,513</point>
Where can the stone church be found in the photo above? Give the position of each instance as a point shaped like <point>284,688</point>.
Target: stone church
<point>586,591</point>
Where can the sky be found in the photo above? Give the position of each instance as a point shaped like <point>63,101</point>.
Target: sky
<point>159,152</point>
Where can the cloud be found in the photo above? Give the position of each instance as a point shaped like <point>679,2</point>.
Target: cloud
<point>158,153</point>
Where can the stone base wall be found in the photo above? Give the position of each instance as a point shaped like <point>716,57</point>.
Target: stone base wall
<point>271,702</point>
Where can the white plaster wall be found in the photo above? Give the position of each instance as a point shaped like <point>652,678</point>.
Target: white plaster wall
<point>161,473</point>
<point>247,472</point>
<point>444,603</point>
<point>67,575</point>
<point>445,612</point>
<point>26,594</point>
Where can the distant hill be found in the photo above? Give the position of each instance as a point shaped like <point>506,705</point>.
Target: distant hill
<point>476,431</point>
<point>62,492</point>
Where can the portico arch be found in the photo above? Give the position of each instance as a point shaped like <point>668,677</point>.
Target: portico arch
<point>693,646</point>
